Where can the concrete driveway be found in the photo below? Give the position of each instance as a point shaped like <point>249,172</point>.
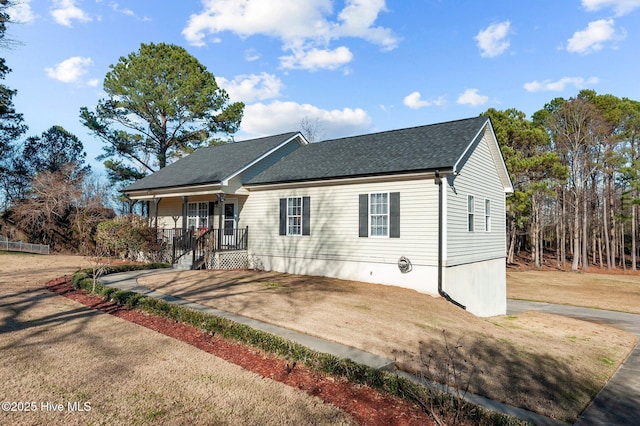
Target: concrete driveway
<point>618,403</point>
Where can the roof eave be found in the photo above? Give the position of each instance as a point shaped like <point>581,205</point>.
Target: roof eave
<point>171,191</point>
<point>397,175</point>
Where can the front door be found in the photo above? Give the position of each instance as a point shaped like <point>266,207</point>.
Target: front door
<point>229,223</point>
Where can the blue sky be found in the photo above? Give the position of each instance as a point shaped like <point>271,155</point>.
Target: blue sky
<point>354,66</point>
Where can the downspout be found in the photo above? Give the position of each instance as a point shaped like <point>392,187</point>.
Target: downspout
<point>438,181</point>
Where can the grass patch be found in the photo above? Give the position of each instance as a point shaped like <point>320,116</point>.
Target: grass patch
<point>272,285</point>
<point>18,253</point>
<point>616,292</point>
<point>607,361</point>
<point>323,363</point>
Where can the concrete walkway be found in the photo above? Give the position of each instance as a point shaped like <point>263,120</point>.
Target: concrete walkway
<point>618,403</point>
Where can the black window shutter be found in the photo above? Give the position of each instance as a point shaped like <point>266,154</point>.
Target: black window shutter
<point>283,216</point>
<point>363,214</point>
<point>306,215</point>
<point>394,215</point>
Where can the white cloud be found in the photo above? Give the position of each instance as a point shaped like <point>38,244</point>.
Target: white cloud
<point>65,11</point>
<point>472,97</point>
<point>357,20</point>
<point>277,117</point>
<point>251,55</point>
<point>415,101</point>
<point>21,12</point>
<point>593,37</point>
<point>315,59</point>
<point>560,85</point>
<point>306,28</point>
<point>493,40</point>
<point>70,70</point>
<point>125,11</point>
<point>620,7</point>
<point>249,88</point>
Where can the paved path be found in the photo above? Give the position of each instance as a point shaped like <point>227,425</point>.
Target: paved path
<point>618,403</point>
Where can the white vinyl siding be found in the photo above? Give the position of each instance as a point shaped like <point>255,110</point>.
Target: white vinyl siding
<point>479,177</point>
<point>168,209</point>
<point>335,224</point>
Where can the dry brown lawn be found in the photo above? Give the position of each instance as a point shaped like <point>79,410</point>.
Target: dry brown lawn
<point>615,292</point>
<point>549,364</point>
<point>59,351</point>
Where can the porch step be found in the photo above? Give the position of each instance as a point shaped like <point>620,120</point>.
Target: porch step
<point>183,264</point>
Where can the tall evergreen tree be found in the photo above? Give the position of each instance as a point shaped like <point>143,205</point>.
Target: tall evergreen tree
<point>11,123</point>
<point>161,103</point>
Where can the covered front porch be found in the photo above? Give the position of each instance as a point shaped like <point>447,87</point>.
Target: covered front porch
<point>198,229</point>
<point>203,248</point>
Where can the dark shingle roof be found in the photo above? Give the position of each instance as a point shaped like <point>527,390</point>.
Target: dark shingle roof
<point>424,148</point>
<point>211,164</point>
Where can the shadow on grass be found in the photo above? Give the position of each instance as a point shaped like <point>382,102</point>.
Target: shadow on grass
<point>533,381</point>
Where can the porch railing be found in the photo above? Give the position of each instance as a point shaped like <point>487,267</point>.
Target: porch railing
<point>202,242</point>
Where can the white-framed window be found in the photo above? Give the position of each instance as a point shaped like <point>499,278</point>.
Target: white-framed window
<point>470,212</point>
<point>487,215</point>
<point>198,215</point>
<point>294,216</point>
<point>379,214</point>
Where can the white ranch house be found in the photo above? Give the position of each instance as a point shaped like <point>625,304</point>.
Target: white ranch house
<point>422,208</point>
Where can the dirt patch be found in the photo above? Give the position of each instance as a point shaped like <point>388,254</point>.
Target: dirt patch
<point>545,363</point>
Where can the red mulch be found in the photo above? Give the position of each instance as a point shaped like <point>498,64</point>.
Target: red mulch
<point>366,405</point>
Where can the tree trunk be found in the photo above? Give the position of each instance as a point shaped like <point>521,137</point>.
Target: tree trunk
<point>633,237</point>
<point>576,232</point>
<point>622,257</point>
<point>558,219</point>
<point>536,232</point>
<point>512,243</point>
<point>605,229</point>
<point>614,235</point>
<point>563,230</point>
<point>600,252</point>
<point>585,236</point>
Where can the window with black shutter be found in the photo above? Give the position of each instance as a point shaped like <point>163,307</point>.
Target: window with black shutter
<point>295,216</point>
<point>379,215</point>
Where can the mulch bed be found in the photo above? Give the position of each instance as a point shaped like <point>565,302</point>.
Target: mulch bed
<point>366,405</point>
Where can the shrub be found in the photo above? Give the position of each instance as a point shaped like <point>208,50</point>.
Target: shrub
<point>128,237</point>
